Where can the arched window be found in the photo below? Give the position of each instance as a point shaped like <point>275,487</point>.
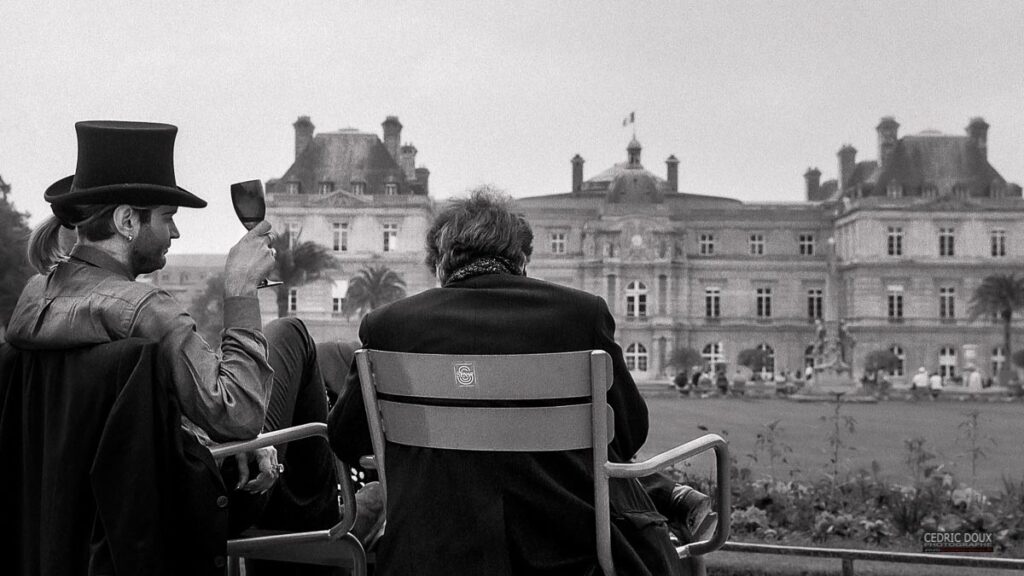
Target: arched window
<point>998,360</point>
<point>809,357</point>
<point>713,355</point>
<point>769,365</point>
<point>947,361</point>
<point>636,300</point>
<point>636,357</point>
<point>899,353</point>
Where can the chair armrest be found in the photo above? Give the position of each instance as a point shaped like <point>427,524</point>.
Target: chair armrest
<point>678,454</point>
<point>283,436</point>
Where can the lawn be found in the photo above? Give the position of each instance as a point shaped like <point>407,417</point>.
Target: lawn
<point>880,431</point>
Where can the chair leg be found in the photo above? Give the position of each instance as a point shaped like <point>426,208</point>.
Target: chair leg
<point>234,566</point>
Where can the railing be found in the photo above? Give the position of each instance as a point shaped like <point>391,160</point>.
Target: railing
<point>847,556</point>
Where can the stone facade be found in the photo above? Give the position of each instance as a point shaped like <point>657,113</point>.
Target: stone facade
<point>363,198</point>
<point>710,273</point>
<point>720,276</point>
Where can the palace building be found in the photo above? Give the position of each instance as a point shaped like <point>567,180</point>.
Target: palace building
<point>892,248</point>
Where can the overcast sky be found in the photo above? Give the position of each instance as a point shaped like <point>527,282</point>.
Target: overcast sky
<point>746,95</point>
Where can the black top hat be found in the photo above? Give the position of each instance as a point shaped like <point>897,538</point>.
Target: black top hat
<point>123,163</point>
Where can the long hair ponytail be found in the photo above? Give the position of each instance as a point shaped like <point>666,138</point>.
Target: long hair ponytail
<point>44,245</point>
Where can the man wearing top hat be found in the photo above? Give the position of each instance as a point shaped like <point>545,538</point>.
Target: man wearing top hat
<point>122,200</point>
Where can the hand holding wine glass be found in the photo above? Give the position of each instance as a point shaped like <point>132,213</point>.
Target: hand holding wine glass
<point>251,208</point>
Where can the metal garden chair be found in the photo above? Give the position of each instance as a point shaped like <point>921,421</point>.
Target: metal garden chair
<point>401,392</point>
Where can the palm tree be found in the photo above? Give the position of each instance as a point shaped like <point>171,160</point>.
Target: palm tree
<point>1000,295</point>
<point>298,263</point>
<point>372,287</point>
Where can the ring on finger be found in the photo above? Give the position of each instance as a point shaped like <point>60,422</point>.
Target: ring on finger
<point>278,468</point>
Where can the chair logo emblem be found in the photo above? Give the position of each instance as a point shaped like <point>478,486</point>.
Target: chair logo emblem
<point>465,375</point>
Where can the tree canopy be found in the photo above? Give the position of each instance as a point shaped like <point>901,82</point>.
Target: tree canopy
<point>14,232</point>
<point>1000,295</point>
<point>207,310</point>
<point>372,287</point>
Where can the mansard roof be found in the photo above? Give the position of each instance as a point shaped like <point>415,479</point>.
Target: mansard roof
<point>929,159</point>
<point>344,157</point>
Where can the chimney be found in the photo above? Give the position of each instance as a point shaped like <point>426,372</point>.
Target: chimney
<point>577,174</point>
<point>392,135</point>
<point>813,179</point>
<point>408,161</point>
<point>888,129</point>
<point>977,130</point>
<point>672,165</point>
<point>303,134</point>
<point>847,161</point>
<point>422,180</point>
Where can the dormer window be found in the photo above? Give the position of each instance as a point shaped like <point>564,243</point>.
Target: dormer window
<point>391,189</point>
<point>292,187</point>
<point>358,187</point>
<point>960,191</point>
<point>930,191</point>
<point>894,190</point>
<point>325,187</point>
<point>997,189</point>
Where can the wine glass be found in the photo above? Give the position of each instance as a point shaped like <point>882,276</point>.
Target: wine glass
<point>251,208</point>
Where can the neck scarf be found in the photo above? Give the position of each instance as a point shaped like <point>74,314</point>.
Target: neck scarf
<point>481,266</point>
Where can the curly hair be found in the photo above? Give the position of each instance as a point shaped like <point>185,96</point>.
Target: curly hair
<point>482,225</point>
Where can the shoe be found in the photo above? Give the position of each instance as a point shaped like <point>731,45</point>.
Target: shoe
<point>692,509</point>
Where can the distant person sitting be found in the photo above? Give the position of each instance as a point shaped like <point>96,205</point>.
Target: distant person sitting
<point>459,512</point>
<point>919,383</point>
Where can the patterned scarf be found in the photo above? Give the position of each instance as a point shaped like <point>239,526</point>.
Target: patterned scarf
<point>481,266</point>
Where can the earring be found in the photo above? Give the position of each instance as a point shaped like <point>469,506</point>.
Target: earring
<point>130,237</point>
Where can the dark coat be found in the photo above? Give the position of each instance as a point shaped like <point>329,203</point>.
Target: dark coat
<point>99,478</point>
<point>503,513</point>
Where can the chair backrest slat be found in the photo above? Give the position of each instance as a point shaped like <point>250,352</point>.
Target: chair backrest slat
<point>531,429</point>
<point>484,377</point>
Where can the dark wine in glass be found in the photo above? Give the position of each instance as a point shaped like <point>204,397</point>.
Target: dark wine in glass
<point>251,208</point>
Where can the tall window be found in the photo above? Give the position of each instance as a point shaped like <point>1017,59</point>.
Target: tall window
<point>391,189</point>
<point>325,187</point>
<point>293,299</point>
<point>636,300</point>
<point>894,241</point>
<point>636,357</point>
<point>293,229</point>
<point>757,244</point>
<point>764,302</point>
<point>558,242</point>
<point>901,366</point>
<point>946,241</point>
<point>292,188</point>
<point>894,294</point>
<point>390,237</point>
<point>662,294</point>
<point>707,244</point>
<point>947,361</point>
<point>338,292</point>
<point>947,296</point>
<point>339,236</point>
<point>713,355</point>
<point>806,242</point>
<point>713,302</point>
<point>998,239</point>
<point>815,303</point>
<point>610,291</point>
<point>998,359</point>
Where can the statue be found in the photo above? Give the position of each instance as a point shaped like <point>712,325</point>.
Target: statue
<point>830,351</point>
<point>846,341</point>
